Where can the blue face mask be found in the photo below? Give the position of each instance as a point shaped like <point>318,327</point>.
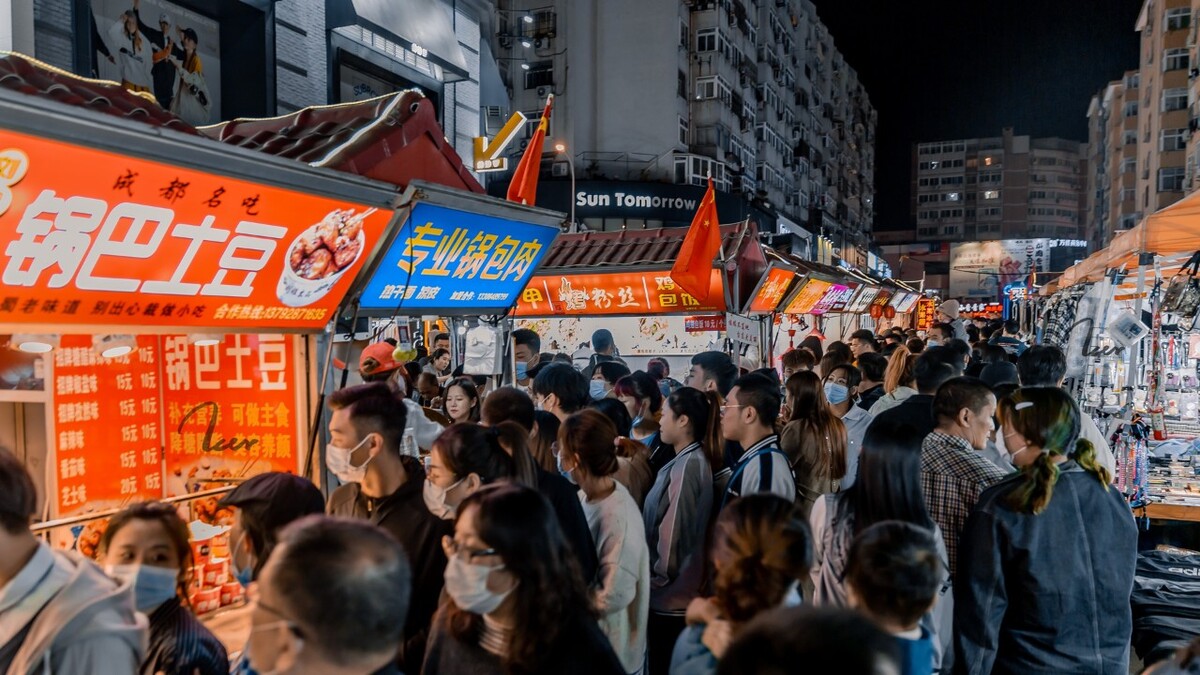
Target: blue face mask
<point>565,474</point>
<point>932,343</point>
<point>522,370</point>
<point>836,393</point>
<point>243,575</point>
<point>598,389</point>
<point>152,586</point>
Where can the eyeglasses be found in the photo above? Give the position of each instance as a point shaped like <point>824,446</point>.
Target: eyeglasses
<point>728,406</point>
<point>283,619</point>
<point>453,548</point>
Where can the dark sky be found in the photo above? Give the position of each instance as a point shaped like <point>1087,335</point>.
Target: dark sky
<point>948,69</point>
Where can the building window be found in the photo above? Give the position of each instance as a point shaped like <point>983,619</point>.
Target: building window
<point>1175,59</point>
<point>539,75</point>
<point>1131,109</point>
<point>1129,165</point>
<point>682,85</point>
<point>683,131</point>
<point>1173,139</point>
<point>706,40</point>
<point>713,87</point>
<point>1170,179</point>
<point>1129,137</point>
<point>683,34</point>
<point>1128,194</point>
<point>991,194</point>
<point>1174,99</point>
<point>1179,18</point>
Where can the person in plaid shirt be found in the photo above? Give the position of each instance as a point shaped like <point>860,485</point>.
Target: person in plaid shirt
<point>953,473</point>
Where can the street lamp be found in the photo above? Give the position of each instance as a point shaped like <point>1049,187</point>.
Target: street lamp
<point>561,148</point>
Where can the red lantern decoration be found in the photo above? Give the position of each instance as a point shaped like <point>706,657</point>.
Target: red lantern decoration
<point>876,311</point>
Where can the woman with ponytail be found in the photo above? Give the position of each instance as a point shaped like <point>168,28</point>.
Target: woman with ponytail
<point>1047,558</point>
<point>761,550</point>
<point>588,446</point>
<point>677,513</point>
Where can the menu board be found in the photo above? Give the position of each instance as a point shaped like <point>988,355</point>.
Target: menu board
<point>906,305</point>
<point>835,299</point>
<point>230,410</point>
<point>926,313</point>
<point>771,289</point>
<point>863,300</point>
<point>629,293</point>
<point>882,298</point>
<point>810,293</point>
<point>106,427</point>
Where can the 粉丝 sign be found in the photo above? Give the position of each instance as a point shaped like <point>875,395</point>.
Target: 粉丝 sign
<point>122,241</point>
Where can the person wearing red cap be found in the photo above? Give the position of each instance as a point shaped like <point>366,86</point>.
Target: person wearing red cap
<point>378,363</point>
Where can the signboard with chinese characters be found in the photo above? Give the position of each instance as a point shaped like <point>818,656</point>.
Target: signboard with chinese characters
<point>903,302</point>
<point>230,408</point>
<point>658,335</point>
<point>926,313</point>
<point>743,330</point>
<point>835,299</point>
<point>449,260</point>
<point>771,290</point>
<point>862,302</point>
<point>106,426</point>
<point>980,269</point>
<point>123,241</point>
<point>701,324</point>
<point>882,299</point>
<point>634,293</point>
<point>808,296</point>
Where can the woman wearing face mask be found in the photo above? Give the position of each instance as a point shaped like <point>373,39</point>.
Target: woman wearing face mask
<point>677,514</point>
<point>814,440</point>
<point>149,544</point>
<point>604,378</point>
<point>463,459</point>
<point>760,552</point>
<point>460,402</point>
<point>587,456</point>
<point>1046,562</point>
<point>516,600</point>
<point>640,395</point>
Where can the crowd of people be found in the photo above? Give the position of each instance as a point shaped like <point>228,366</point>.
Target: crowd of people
<point>890,505</point>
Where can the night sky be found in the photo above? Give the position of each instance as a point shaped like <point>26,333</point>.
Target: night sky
<point>948,69</point>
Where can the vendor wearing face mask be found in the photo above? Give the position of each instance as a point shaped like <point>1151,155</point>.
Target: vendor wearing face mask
<point>527,347</point>
<point>387,488</point>
<point>263,505</point>
<point>148,545</point>
<point>841,390</point>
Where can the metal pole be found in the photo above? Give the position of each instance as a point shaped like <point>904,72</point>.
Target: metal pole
<point>571,170</point>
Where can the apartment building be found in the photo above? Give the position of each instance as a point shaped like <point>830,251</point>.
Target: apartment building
<point>1005,187</point>
<point>751,92</point>
<point>1112,172</point>
<point>1163,133</point>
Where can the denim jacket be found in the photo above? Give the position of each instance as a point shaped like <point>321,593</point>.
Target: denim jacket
<point>1046,593</point>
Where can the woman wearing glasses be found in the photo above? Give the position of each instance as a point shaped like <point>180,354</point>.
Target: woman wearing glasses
<point>516,598</point>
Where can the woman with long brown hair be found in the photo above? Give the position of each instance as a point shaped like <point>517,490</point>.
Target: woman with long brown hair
<point>517,603</point>
<point>587,456</point>
<point>814,439</point>
<point>899,381</point>
<point>677,514</point>
<point>460,400</point>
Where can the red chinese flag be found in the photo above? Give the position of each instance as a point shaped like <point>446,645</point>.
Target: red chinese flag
<point>523,188</point>
<point>693,269</point>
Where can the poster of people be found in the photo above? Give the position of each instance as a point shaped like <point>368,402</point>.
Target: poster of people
<point>979,269</point>
<point>164,50</point>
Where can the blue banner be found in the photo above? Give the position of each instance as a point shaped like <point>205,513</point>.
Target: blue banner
<point>454,261</point>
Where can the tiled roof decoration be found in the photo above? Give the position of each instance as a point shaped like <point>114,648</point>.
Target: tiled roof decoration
<point>29,76</point>
<point>393,138</point>
<point>647,248</point>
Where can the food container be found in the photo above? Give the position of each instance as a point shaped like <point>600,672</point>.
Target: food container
<point>216,572</point>
<point>207,600</point>
<point>231,593</point>
<point>201,551</point>
<point>195,580</point>
<point>220,546</point>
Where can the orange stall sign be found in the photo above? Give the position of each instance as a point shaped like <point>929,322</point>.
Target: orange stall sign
<point>771,291</point>
<point>230,410</point>
<point>89,237</point>
<point>106,427</point>
<point>616,293</point>
<point>926,313</point>
<point>808,296</point>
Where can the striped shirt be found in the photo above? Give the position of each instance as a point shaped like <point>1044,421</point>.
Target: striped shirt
<point>181,645</point>
<point>762,468</point>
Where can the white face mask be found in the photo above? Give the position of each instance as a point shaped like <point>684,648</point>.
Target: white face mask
<point>435,499</point>
<point>275,625</point>
<point>466,584</point>
<point>337,459</point>
<point>152,586</point>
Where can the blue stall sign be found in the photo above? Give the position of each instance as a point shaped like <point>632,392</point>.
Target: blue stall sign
<point>454,261</point>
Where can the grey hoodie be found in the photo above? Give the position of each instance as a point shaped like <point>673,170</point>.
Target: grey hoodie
<point>88,626</point>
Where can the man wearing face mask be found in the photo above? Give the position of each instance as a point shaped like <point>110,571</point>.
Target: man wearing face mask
<point>332,600</point>
<point>841,390</point>
<point>386,487</point>
<point>527,347</point>
<point>263,505</point>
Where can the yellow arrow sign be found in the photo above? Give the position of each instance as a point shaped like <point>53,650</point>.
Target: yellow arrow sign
<point>488,153</point>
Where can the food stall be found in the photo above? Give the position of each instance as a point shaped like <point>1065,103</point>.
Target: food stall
<point>621,281</point>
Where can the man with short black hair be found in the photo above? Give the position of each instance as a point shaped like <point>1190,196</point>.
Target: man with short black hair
<point>527,347</point>
<point>508,404</point>
<point>796,360</point>
<point>605,350</point>
<point>934,366</point>
<point>873,367</point>
<point>893,576</point>
<point>441,341</point>
<point>748,418</point>
<point>560,389</point>
<point>811,640</point>
<point>382,485</point>
<point>332,600</point>
<point>1046,366</point>
<point>59,613</point>
<point>1010,341</point>
<point>953,473</point>
<point>938,335</point>
<point>863,342</point>
<point>712,371</point>
<point>961,349</point>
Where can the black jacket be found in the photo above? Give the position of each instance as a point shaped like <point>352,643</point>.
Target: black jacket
<point>404,515</point>
<point>915,410</point>
<point>1046,593</point>
<point>564,499</point>
<point>181,645</point>
<point>867,398</point>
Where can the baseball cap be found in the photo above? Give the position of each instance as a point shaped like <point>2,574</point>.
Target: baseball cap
<point>378,358</point>
<point>288,497</point>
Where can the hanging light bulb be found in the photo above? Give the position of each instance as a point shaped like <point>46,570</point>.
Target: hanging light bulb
<point>114,346</point>
<point>34,343</point>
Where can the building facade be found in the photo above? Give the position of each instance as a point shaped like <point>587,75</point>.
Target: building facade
<point>1112,174</point>
<point>1163,109</point>
<point>751,92</point>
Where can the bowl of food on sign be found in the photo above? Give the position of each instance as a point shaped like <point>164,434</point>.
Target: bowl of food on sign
<point>321,255</point>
